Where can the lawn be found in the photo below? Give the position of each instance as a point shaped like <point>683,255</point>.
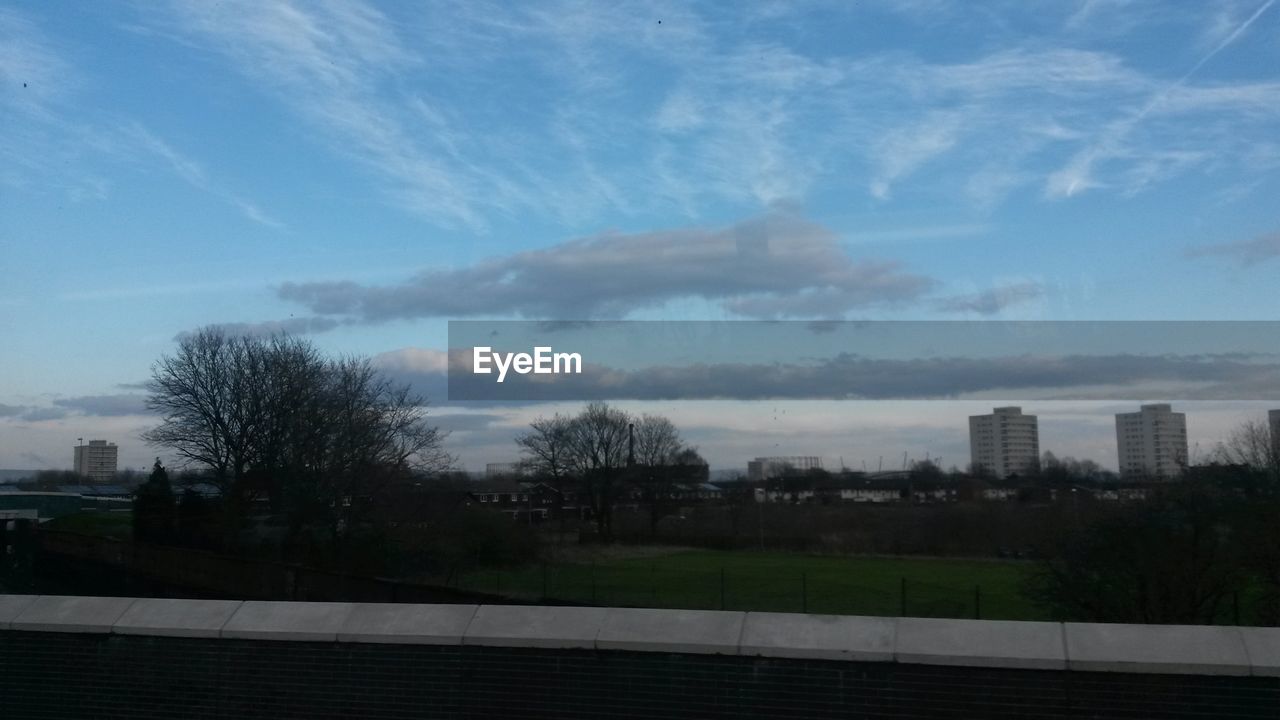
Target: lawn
<point>116,524</point>
<point>783,582</point>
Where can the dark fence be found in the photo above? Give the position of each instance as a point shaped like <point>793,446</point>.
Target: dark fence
<point>229,576</point>
<point>54,675</point>
<point>667,584</point>
<point>670,583</point>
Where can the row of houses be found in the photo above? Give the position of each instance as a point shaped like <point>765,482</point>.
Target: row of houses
<point>538,500</point>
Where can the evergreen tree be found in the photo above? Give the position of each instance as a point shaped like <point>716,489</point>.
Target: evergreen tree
<point>153,508</point>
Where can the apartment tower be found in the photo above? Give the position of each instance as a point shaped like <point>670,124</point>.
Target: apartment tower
<point>1005,443</point>
<point>1152,442</point>
<point>96,461</point>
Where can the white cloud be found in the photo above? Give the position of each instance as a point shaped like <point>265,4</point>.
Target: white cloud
<point>1115,140</point>
<point>904,151</point>
<point>712,111</point>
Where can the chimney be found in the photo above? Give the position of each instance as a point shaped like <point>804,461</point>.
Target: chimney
<point>631,444</point>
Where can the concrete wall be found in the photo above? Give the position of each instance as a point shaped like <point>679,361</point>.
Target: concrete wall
<point>66,656</point>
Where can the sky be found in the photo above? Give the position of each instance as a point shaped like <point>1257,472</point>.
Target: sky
<point>363,173</point>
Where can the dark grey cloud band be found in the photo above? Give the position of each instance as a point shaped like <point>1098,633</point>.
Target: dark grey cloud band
<point>875,360</point>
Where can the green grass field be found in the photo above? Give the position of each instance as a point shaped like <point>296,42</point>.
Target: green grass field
<point>113,524</point>
<point>935,587</point>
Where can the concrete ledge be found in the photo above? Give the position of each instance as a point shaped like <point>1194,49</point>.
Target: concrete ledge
<point>981,643</point>
<point>13,605</point>
<point>407,624</point>
<point>534,627</point>
<point>706,632</point>
<point>71,614</point>
<point>1163,649</point>
<point>1263,647</point>
<point>308,621</point>
<point>1088,647</point>
<point>818,637</point>
<point>176,618</point>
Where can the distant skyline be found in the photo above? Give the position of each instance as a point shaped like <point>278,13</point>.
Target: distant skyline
<point>730,433</point>
<point>361,173</point>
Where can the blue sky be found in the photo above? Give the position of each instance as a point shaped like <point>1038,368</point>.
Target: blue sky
<point>366,172</point>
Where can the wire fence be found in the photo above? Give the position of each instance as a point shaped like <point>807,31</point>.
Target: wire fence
<point>668,585</point>
<point>725,588</point>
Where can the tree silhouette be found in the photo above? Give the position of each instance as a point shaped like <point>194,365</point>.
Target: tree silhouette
<point>153,508</point>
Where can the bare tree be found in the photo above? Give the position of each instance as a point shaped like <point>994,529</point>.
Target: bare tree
<point>272,416</point>
<point>663,461</point>
<point>656,440</point>
<point>1251,444</point>
<point>592,448</point>
<point>364,433</point>
<point>546,448</point>
<point>598,439</point>
<point>209,409</point>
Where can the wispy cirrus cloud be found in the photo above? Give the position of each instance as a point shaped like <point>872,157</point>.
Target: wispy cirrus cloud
<point>47,143</point>
<point>713,112</point>
<point>332,63</point>
<point>194,174</point>
<point>1115,141</point>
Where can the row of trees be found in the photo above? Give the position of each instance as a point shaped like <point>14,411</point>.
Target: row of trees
<point>603,451</point>
<point>273,418</point>
<point>164,517</point>
<point>1186,554</point>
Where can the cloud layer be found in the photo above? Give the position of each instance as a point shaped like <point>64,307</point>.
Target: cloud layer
<point>776,266</point>
<point>993,301</point>
<point>714,109</point>
<point>1246,252</point>
<point>849,376</point>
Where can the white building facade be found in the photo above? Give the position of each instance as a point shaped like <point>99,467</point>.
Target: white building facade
<point>1152,442</point>
<point>1005,443</point>
<point>763,468</point>
<point>503,469</point>
<point>96,461</point>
